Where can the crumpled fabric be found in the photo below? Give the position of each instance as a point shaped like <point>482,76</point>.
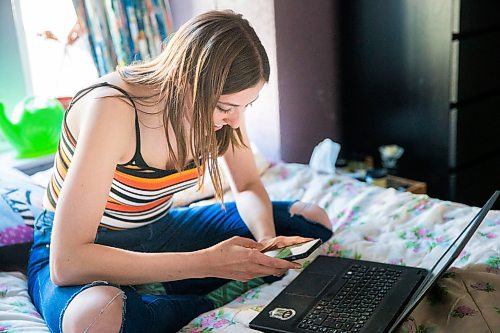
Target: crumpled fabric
<point>324,156</point>
<point>463,300</point>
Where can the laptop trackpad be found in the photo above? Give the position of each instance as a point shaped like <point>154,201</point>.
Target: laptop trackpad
<point>309,284</point>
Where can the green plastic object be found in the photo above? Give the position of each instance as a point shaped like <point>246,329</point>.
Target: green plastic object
<point>34,126</point>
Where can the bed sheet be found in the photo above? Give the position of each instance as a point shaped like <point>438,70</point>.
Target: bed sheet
<point>369,223</point>
<point>385,225</point>
<point>17,312</point>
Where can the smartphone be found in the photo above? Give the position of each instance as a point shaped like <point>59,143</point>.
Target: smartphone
<point>295,251</point>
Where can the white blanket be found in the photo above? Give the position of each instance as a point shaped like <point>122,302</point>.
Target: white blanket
<point>369,222</point>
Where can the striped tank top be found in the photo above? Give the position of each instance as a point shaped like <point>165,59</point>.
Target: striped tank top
<point>139,194</point>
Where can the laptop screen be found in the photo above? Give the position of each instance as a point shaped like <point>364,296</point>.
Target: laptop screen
<point>449,256</point>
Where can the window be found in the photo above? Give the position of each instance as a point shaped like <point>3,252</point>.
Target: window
<point>57,68</point>
<point>38,32</point>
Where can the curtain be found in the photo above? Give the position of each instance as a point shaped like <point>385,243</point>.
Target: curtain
<point>123,31</point>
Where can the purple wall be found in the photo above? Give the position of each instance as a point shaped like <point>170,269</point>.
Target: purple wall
<point>308,77</point>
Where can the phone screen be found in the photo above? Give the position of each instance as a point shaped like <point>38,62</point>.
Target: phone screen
<point>296,251</point>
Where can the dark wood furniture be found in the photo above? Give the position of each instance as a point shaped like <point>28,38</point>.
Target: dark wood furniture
<point>421,74</point>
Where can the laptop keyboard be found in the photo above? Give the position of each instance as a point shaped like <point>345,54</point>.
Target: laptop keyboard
<point>347,308</point>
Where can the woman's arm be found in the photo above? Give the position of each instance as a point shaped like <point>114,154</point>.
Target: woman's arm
<point>105,132</point>
<point>251,197</point>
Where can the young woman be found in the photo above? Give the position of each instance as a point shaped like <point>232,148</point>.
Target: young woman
<point>130,142</point>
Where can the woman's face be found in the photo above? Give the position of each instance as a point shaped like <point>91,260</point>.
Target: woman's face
<point>229,109</point>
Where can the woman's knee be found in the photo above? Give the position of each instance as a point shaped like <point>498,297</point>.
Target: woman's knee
<point>95,309</point>
<point>311,212</point>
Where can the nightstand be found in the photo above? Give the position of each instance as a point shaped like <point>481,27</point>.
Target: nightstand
<point>406,184</point>
<point>358,171</point>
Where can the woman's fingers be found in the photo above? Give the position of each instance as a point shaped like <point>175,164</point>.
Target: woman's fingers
<point>291,240</point>
<point>245,242</point>
<point>260,264</point>
<point>255,270</point>
<point>241,259</point>
<point>268,261</point>
<point>282,241</point>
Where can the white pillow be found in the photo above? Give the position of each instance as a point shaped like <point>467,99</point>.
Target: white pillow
<point>9,173</point>
<point>42,177</point>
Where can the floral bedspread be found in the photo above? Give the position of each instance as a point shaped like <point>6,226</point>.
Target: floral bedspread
<point>17,313</point>
<point>370,223</point>
<point>385,225</point>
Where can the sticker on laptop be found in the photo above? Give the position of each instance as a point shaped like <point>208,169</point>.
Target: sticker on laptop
<point>282,313</point>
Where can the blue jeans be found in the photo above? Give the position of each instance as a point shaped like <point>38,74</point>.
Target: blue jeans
<point>182,229</point>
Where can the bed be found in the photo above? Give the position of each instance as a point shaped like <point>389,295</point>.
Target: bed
<point>369,223</point>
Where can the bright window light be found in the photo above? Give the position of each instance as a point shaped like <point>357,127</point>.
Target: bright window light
<point>57,69</point>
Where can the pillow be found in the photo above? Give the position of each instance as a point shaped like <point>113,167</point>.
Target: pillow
<point>12,174</point>
<point>42,178</point>
<point>20,203</point>
<point>192,194</point>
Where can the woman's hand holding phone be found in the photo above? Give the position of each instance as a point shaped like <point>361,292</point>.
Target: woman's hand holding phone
<point>292,251</point>
<point>240,258</point>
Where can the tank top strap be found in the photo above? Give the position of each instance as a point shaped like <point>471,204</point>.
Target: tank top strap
<point>137,159</point>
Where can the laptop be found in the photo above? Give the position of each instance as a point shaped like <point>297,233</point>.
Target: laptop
<point>339,295</point>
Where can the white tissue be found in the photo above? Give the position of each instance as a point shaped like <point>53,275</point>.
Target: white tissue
<point>324,156</point>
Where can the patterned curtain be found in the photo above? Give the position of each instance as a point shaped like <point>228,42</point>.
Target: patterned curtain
<point>122,31</point>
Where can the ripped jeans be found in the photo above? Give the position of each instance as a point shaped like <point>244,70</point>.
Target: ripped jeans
<point>182,229</point>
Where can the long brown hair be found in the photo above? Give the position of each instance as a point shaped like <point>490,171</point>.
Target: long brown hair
<point>212,54</point>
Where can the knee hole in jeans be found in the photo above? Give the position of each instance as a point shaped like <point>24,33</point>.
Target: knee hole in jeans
<point>311,212</point>
<point>95,309</point>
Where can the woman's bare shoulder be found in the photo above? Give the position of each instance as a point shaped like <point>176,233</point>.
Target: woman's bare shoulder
<point>107,95</point>
<point>113,86</point>
<point>103,106</point>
